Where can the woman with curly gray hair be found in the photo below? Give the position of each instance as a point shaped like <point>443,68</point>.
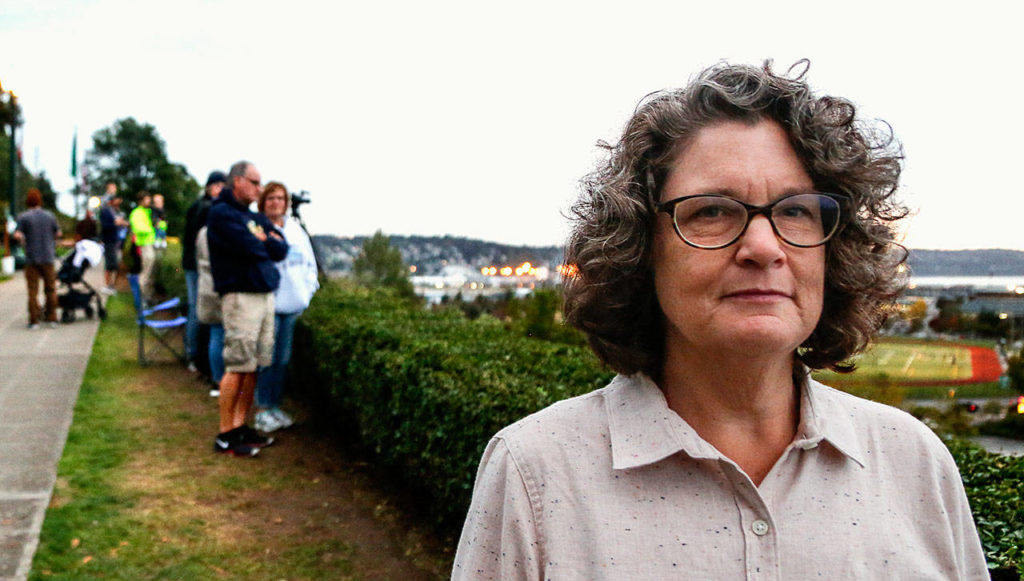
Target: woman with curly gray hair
<point>739,235</point>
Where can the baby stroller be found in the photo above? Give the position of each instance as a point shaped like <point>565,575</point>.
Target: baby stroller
<point>70,274</point>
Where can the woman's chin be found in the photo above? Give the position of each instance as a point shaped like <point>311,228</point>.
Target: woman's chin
<point>754,339</point>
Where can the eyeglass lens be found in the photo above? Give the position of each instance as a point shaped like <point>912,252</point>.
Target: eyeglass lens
<point>717,221</point>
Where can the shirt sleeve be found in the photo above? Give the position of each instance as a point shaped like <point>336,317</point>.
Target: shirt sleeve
<point>970,558</point>
<point>305,246</point>
<point>500,539</point>
<point>227,233</point>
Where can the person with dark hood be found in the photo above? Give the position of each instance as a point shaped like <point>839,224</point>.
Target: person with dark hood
<point>195,219</point>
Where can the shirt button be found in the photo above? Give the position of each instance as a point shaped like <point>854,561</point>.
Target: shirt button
<point>759,527</point>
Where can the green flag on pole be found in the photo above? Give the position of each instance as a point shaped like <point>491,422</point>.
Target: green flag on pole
<point>74,155</point>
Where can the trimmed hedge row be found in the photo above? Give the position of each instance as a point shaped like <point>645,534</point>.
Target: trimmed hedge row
<point>423,391</point>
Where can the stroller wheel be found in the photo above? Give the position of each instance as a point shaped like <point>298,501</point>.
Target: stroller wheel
<point>103,314</point>
<point>67,316</point>
<point>88,312</point>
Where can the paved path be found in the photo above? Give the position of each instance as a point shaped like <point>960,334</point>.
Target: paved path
<point>40,373</point>
<point>1004,446</point>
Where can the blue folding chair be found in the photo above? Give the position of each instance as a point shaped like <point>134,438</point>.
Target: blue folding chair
<point>160,322</point>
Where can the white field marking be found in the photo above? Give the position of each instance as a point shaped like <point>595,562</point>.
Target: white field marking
<point>910,361</point>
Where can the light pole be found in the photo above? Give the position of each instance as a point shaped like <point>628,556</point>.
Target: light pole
<point>10,114</point>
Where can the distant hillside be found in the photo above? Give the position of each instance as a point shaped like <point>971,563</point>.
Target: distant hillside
<point>988,262</point>
<point>431,253</point>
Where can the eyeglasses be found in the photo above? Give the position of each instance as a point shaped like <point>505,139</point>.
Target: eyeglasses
<point>711,221</point>
<point>251,181</point>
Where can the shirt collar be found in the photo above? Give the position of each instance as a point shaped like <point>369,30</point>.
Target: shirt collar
<point>826,414</point>
<point>643,430</point>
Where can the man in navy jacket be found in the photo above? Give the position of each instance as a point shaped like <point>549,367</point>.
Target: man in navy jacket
<point>243,248</point>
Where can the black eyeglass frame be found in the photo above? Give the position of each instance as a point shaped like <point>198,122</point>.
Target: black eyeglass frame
<point>669,208</point>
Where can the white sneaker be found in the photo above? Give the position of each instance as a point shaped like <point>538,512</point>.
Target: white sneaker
<point>266,422</point>
<point>283,419</point>
<point>215,392</point>
<point>108,290</point>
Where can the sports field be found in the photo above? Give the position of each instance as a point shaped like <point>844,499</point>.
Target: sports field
<point>925,363</point>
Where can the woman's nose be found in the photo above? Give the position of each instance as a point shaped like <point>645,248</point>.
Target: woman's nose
<point>759,244</point>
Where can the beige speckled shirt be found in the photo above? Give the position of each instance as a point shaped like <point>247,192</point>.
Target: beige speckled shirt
<point>615,485</point>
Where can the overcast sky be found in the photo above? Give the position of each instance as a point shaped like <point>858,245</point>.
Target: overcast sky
<point>478,118</point>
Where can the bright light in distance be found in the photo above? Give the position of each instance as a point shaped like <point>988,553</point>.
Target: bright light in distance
<point>412,268</point>
<point>506,271</point>
<point>94,202</point>
<point>1003,316</point>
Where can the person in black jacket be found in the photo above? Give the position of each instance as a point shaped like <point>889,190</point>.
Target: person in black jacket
<point>243,248</point>
<point>195,218</point>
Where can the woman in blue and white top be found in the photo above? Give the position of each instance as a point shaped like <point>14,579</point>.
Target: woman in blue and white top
<point>298,284</point>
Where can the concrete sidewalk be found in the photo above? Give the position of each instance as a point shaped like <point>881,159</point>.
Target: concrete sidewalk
<point>40,373</point>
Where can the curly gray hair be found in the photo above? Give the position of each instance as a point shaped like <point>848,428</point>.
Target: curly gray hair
<point>611,296</point>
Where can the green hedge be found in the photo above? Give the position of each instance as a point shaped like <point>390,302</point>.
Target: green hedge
<point>994,485</point>
<point>423,391</point>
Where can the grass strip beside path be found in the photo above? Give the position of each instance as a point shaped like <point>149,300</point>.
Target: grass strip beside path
<point>141,495</point>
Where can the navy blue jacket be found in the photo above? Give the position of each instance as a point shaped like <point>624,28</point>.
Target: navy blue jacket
<point>239,261</point>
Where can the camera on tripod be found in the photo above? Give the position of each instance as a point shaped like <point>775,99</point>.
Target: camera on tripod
<point>299,198</point>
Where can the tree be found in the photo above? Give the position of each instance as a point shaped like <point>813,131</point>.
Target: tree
<point>915,314</point>
<point>25,179</point>
<point>42,183</point>
<point>950,319</point>
<point>1015,371</point>
<point>380,264</point>
<point>133,156</point>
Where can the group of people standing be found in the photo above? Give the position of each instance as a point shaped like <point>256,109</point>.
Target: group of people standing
<point>138,237</point>
<point>249,276</point>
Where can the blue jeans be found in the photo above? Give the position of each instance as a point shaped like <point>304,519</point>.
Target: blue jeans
<point>270,384</point>
<point>192,327</point>
<point>216,352</point>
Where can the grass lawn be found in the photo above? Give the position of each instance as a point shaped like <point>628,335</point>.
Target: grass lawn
<point>914,361</point>
<point>141,495</point>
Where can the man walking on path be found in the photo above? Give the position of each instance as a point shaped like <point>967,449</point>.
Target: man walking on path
<point>243,248</point>
<point>38,231</point>
<point>141,222</point>
<point>195,218</point>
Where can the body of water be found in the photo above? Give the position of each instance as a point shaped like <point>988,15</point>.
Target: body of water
<point>1003,283</point>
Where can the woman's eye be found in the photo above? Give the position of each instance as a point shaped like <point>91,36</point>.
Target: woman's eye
<point>795,211</point>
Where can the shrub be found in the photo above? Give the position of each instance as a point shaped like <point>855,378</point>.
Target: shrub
<point>168,276</point>
<point>1010,426</point>
<point>993,488</point>
<point>423,391</point>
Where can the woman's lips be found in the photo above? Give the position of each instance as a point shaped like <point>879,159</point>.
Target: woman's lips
<point>757,295</point>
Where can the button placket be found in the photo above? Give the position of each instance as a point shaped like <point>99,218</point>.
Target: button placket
<point>755,516</point>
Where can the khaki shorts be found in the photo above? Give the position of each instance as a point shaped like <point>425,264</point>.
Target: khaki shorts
<point>248,331</point>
